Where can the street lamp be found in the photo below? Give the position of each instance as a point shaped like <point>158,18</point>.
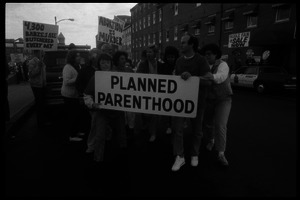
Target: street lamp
<point>56,22</point>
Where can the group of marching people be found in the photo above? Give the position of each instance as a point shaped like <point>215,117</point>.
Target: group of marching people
<point>214,99</point>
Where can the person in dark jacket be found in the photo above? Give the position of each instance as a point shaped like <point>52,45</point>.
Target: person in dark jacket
<point>150,66</point>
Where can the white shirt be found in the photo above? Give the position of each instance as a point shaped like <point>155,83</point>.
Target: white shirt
<point>222,73</point>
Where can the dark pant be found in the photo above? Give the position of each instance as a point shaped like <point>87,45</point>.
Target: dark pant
<point>39,96</point>
<point>72,110</point>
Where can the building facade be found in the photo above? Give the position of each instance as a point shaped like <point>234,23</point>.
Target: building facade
<point>242,30</point>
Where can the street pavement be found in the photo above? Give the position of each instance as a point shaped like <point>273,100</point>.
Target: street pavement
<point>21,100</point>
<point>261,151</point>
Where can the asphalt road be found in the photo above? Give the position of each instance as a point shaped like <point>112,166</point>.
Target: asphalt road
<point>261,150</point>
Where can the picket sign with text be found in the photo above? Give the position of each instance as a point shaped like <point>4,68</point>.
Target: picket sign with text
<point>39,36</point>
<point>239,40</point>
<point>109,31</point>
<point>147,93</point>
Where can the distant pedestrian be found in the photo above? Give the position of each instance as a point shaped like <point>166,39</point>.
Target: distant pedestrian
<point>190,64</point>
<point>218,102</point>
<point>103,117</point>
<point>37,80</point>
<point>71,95</point>
<point>5,95</point>
<point>143,58</point>
<point>25,69</point>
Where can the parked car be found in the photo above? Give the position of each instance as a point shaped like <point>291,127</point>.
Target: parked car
<point>263,78</point>
<point>55,61</point>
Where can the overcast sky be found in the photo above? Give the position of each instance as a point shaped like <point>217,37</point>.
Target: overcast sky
<point>82,31</point>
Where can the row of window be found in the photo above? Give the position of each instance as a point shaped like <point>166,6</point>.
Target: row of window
<point>138,24</point>
<point>282,14</point>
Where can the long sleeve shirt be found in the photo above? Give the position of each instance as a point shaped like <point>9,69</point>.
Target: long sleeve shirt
<point>68,88</point>
<point>222,73</point>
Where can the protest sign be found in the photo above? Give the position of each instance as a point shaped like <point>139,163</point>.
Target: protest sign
<point>109,31</point>
<point>147,93</point>
<point>239,40</point>
<point>39,36</point>
<point>16,57</point>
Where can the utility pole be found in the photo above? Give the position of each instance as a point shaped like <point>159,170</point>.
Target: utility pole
<point>221,24</point>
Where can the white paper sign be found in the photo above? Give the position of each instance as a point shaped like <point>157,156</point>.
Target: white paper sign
<point>39,36</point>
<point>239,40</point>
<point>147,93</point>
<point>109,31</point>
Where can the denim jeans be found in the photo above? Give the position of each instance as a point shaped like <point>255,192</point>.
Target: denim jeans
<point>116,120</point>
<point>178,127</point>
<point>215,121</point>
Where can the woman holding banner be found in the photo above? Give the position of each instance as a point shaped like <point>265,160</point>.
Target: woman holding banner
<point>103,118</point>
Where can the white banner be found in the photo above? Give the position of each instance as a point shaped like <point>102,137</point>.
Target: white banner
<point>109,31</point>
<point>39,36</point>
<point>239,40</point>
<point>147,93</point>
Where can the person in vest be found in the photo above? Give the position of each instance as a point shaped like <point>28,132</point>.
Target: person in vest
<point>218,102</point>
<point>37,80</point>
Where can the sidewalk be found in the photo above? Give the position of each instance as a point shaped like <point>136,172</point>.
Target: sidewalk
<point>21,99</point>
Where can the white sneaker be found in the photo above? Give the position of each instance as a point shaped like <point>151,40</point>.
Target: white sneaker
<point>152,138</point>
<point>169,131</point>
<point>178,163</point>
<point>194,161</point>
<point>75,139</point>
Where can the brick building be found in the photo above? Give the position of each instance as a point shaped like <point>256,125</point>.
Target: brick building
<point>270,27</point>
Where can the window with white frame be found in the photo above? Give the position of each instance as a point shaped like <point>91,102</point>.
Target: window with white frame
<point>198,4</point>
<point>154,38</point>
<point>149,20</point>
<point>176,9</point>
<point>228,24</point>
<point>211,28</point>
<point>159,38</point>
<point>145,41</point>
<point>144,20</point>
<point>175,32</point>
<point>282,13</point>
<point>160,15</point>
<point>251,21</point>
<point>167,36</point>
<point>153,17</point>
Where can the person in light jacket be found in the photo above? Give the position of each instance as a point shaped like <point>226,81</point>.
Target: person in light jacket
<point>71,95</point>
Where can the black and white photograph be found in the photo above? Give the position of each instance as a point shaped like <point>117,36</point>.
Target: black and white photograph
<point>149,100</point>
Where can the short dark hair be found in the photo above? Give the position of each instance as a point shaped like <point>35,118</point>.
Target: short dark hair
<point>171,50</point>
<point>117,55</point>
<point>194,41</point>
<point>103,56</point>
<point>214,48</point>
<point>71,56</point>
<point>154,48</point>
